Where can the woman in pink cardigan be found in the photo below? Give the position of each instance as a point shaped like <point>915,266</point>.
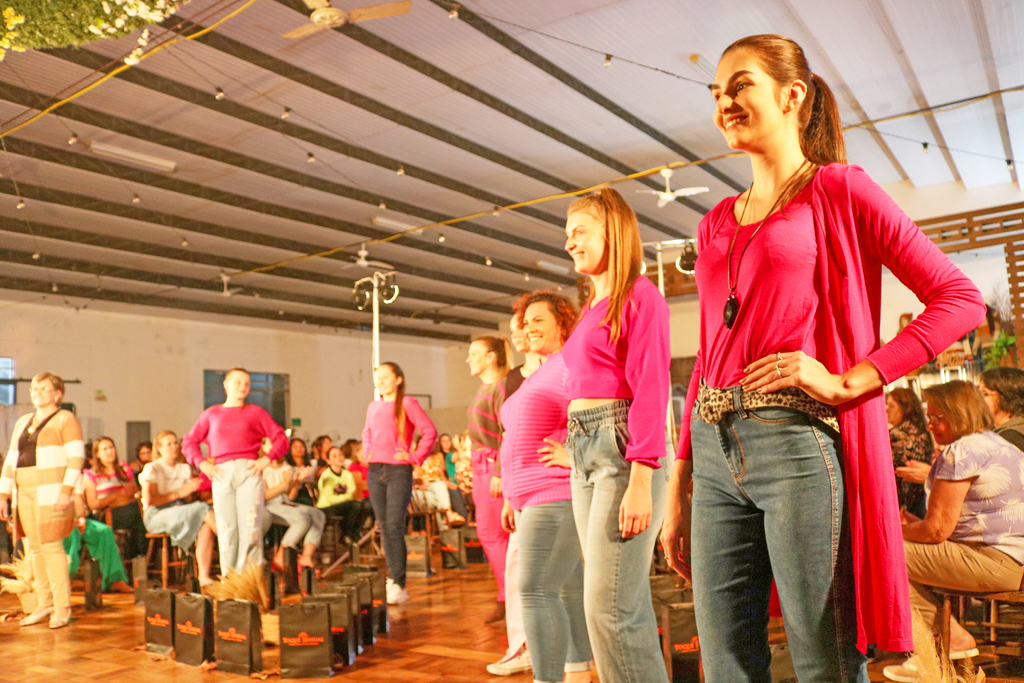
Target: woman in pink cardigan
<point>387,439</point>
<point>786,442</point>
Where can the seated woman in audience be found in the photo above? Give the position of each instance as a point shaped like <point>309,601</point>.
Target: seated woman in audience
<point>336,495</point>
<point>109,485</point>
<point>353,452</point>
<point>1003,391</point>
<point>305,523</point>
<point>911,443</point>
<point>304,473</point>
<point>143,456</point>
<point>431,488</point>
<point>320,447</point>
<point>172,507</point>
<point>972,538</point>
<point>99,539</point>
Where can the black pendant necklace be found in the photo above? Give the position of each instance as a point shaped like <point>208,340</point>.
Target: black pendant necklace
<point>732,304</point>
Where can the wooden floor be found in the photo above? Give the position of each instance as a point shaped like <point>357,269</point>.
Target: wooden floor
<point>439,635</point>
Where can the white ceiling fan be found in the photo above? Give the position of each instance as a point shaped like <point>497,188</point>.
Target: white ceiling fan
<point>362,262</point>
<point>325,16</point>
<point>669,195</point>
<point>228,289</point>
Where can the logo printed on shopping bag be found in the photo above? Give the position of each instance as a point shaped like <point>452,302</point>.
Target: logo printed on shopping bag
<point>449,548</point>
<point>692,646</point>
<point>414,556</point>
<point>188,629</point>
<point>157,620</point>
<point>232,635</point>
<point>303,639</point>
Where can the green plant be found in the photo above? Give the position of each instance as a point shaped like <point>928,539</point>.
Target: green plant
<point>1001,346</point>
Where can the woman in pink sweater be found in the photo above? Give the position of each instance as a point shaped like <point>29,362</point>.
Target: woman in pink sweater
<point>538,500</point>
<point>234,433</point>
<point>786,442</point>
<point>387,438</point>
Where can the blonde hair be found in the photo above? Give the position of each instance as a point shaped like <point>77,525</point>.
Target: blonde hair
<point>55,381</point>
<point>963,407</point>
<point>160,437</point>
<point>623,252</point>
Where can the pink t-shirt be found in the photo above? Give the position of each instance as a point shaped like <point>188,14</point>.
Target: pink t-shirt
<point>538,410</point>
<point>636,366</point>
<point>234,434</point>
<point>380,435</point>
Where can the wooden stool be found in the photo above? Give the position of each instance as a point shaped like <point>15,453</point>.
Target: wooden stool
<point>165,556</point>
<point>427,514</point>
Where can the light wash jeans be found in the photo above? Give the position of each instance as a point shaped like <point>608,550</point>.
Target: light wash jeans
<point>238,506</point>
<point>768,499</point>
<point>305,524</point>
<point>616,590</point>
<point>551,589</point>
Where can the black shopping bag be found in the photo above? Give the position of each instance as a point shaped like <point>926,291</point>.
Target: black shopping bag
<point>291,571</point>
<point>193,628</point>
<point>307,646</point>
<point>307,581</point>
<point>453,549</point>
<point>273,581</point>
<point>474,548</point>
<point>140,580</point>
<point>237,638</point>
<point>159,621</point>
<point>93,583</point>
<point>680,644</point>
<point>364,596</point>
<point>342,623</point>
<point>378,592</point>
<point>417,555</point>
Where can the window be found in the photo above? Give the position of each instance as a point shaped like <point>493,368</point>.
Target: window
<point>266,390</point>
<point>8,389</point>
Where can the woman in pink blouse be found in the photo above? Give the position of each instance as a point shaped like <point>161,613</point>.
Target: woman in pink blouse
<point>786,441</point>
<point>110,485</point>
<point>387,439</point>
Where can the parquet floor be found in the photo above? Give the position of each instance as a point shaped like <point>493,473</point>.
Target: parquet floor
<point>439,635</point>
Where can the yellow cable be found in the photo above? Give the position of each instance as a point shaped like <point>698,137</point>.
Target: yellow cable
<point>124,67</point>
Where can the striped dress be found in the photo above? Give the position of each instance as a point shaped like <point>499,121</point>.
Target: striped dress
<point>60,455</point>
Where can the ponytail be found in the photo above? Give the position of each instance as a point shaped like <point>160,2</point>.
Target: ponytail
<point>399,399</point>
<point>821,139</point>
<point>501,349</point>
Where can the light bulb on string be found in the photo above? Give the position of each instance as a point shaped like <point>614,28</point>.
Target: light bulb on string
<point>1009,164</point>
<point>310,159</point>
<point>495,212</point>
<point>488,261</point>
<point>219,95</point>
<point>454,13</point>
<point>526,277</point>
<point>440,238</point>
<point>73,139</point>
<point>21,204</point>
<point>401,170</point>
<point>184,242</point>
<point>136,199</point>
<point>36,256</point>
<point>382,206</point>
<point>53,287</point>
<point>924,147</point>
<point>607,61</point>
<point>286,113</point>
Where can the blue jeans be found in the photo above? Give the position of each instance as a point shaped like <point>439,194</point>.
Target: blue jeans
<point>551,590</point>
<point>616,590</point>
<point>768,499</point>
<point>390,492</point>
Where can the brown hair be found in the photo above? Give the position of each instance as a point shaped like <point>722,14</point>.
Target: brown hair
<point>235,369</point>
<point>54,380</point>
<point>821,128</point>
<point>98,466</point>
<point>399,399</point>
<point>502,350</point>
<point>962,405</point>
<point>1008,384</point>
<point>560,307</point>
<point>910,406</point>
<point>623,249</point>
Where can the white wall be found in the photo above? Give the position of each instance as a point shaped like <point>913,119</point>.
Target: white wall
<point>950,198</point>
<point>151,368</point>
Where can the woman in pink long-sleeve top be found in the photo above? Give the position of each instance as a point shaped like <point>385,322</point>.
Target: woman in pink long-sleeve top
<point>787,444</point>
<point>234,432</point>
<point>387,438</point>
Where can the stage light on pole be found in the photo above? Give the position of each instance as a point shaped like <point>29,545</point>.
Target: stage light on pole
<point>687,261</point>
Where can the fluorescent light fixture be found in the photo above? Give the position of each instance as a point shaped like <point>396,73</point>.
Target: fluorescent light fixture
<point>382,222</point>
<point>133,158</point>
<point>557,268</point>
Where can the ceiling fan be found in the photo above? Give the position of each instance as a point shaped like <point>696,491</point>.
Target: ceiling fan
<point>669,195</point>
<point>362,262</point>
<point>325,16</point>
<point>228,289</point>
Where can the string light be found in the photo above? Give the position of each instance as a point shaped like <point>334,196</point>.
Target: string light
<point>495,212</point>
<point>21,204</point>
<point>286,113</point>
<point>53,288</point>
<point>73,139</point>
<point>924,146</point>
<point>526,277</point>
<point>440,238</point>
<point>136,199</point>
<point>607,61</point>
<point>382,206</point>
<point>1009,164</point>
<point>36,256</point>
<point>310,159</point>
<point>401,170</point>
<point>488,261</point>
<point>219,95</point>
<point>454,13</point>
<point>184,242</point>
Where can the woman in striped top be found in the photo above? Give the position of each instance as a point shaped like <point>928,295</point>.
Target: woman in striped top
<point>46,459</point>
<point>488,360</point>
<point>109,485</point>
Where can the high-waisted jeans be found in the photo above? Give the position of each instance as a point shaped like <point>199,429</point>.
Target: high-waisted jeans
<point>768,500</point>
<point>551,587</point>
<point>390,492</point>
<point>616,591</point>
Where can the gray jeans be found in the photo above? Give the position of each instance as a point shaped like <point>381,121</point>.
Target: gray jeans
<point>305,524</point>
<point>616,590</point>
<point>238,505</point>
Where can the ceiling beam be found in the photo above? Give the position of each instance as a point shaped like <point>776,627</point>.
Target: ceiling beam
<point>74,236</point>
<point>291,72</point>
<point>44,288</point>
<point>547,66</point>
<point>95,165</point>
<point>988,61</point>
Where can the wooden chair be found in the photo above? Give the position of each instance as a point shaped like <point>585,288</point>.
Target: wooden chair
<point>1012,649</point>
<point>165,556</point>
<point>420,510</point>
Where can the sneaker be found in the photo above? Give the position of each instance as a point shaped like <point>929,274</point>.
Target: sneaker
<point>907,672</point>
<point>508,667</point>
<point>396,595</point>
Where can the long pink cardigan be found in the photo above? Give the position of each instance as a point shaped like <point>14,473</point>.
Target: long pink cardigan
<point>860,229</point>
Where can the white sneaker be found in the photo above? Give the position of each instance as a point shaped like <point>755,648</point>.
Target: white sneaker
<point>518,664</point>
<point>907,672</point>
<point>396,595</point>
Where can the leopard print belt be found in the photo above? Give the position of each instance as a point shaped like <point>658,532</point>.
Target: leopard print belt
<point>715,404</point>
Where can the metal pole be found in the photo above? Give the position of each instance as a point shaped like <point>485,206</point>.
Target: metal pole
<point>670,418</point>
<point>376,333</point>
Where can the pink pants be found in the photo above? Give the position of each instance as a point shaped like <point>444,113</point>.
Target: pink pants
<point>488,518</point>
